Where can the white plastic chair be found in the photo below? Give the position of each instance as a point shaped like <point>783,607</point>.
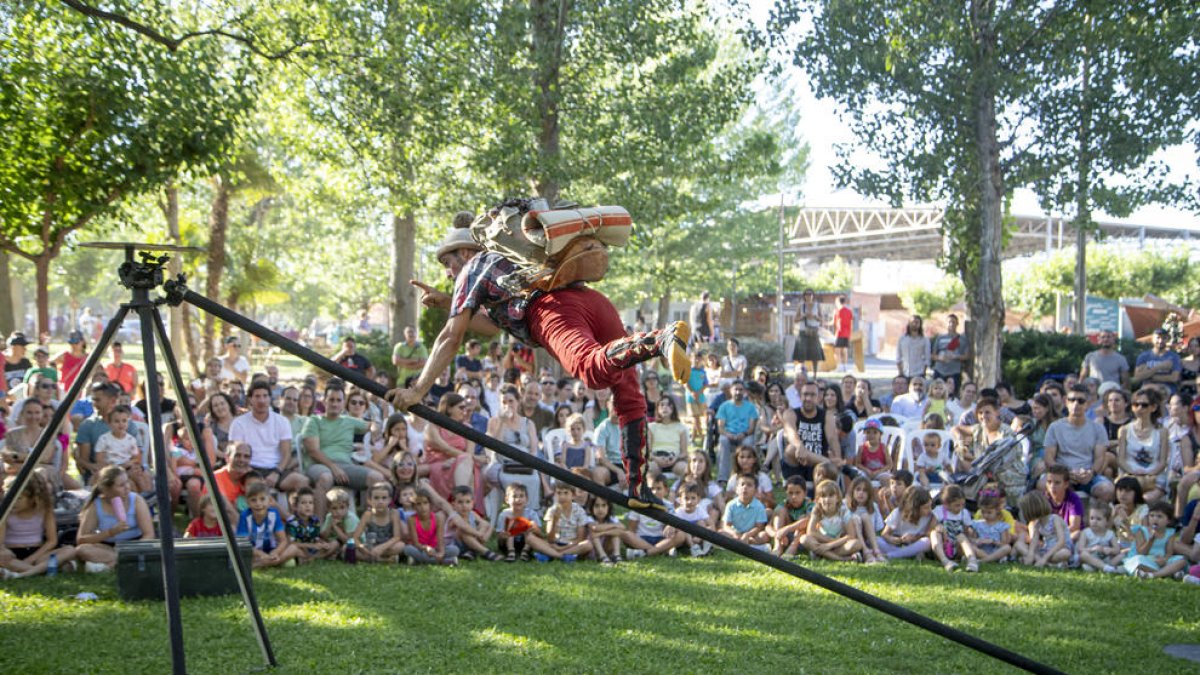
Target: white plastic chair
<point>908,459</point>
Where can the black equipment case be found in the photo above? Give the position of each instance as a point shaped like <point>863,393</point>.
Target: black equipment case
<point>203,566</point>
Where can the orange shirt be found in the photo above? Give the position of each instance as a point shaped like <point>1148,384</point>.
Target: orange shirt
<point>123,375</point>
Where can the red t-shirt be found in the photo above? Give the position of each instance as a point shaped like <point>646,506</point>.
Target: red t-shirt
<point>198,530</point>
<point>845,319</point>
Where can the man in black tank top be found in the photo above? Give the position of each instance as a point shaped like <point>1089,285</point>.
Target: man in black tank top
<point>814,438</point>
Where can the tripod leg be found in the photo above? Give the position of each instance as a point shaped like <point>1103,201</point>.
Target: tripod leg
<point>227,530</point>
<point>166,537</point>
<point>64,409</point>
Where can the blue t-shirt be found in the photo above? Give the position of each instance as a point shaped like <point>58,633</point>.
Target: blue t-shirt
<point>1149,358</point>
<point>743,517</point>
<point>90,431</point>
<point>262,535</point>
<point>737,417</point>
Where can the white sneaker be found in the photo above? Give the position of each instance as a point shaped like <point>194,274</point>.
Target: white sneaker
<point>1088,568</point>
<point>705,547</point>
<point>635,553</point>
<point>1189,579</point>
<point>1109,569</point>
<point>95,567</point>
<point>696,553</point>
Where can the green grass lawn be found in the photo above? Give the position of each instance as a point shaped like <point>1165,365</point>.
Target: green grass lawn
<point>717,614</point>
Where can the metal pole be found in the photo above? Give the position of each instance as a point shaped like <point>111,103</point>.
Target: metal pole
<point>245,582</point>
<point>61,412</point>
<point>166,537</point>
<point>563,475</point>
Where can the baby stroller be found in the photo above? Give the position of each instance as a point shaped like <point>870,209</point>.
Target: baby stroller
<point>987,464</point>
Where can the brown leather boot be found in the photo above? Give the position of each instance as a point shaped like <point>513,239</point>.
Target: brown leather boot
<point>670,343</point>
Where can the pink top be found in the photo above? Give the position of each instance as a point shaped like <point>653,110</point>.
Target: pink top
<point>25,532</point>
<point>426,537</point>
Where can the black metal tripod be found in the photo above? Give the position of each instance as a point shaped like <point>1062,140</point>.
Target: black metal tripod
<point>140,277</point>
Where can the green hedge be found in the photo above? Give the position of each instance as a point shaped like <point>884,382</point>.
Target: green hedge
<point>1029,355</point>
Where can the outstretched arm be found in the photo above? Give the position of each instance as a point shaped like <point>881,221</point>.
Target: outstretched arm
<point>440,357</point>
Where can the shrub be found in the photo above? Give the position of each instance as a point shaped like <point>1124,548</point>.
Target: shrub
<point>1030,355</point>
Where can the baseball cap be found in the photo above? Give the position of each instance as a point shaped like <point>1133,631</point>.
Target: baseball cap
<point>232,340</point>
<point>75,337</point>
<point>873,424</point>
<point>17,339</point>
<point>41,349</point>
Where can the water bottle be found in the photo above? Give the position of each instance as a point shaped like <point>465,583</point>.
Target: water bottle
<point>52,565</point>
<point>351,555</point>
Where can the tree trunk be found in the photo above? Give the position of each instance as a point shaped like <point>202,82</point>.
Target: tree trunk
<point>218,223</point>
<point>41,265</point>
<point>189,339</point>
<point>664,309</point>
<point>1083,208</point>
<point>170,209</point>
<point>986,303</point>
<point>549,19</point>
<point>404,249</point>
<point>8,321</point>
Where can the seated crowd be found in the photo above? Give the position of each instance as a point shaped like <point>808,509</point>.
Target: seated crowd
<point>1097,470</point>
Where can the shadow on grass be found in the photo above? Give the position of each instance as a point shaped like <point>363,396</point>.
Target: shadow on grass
<point>715,614</point>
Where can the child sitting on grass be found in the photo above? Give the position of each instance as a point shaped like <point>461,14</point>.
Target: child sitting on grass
<point>29,537</point>
<point>520,532</point>
<point>906,529</point>
<point>118,448</point>
<point>861,501</point>
<point>952,533</point>
<point>993,533</point>
<point>605,531</point>
<point>465,529</point>
<point>1048,541</point>
<point>1153,543</point>
<point>891,492</point>
<point>380,529</point>
<point>832,529</point>
<point>341,521</point>
<point>429,545</point>
<point>263,524</point>
<point>745,517</point>
<point>694,509</point>
<point>790,519</point>
<point>566,526</point>
<point>1099,549</point>
<point>204,525</point>
<point>647,536</point>
<point>304,528</point>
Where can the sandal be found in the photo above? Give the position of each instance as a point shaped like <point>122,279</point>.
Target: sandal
<point>511,556</point>
<point>524,557</point>
<point>606,561</point>
<point>491,555</point>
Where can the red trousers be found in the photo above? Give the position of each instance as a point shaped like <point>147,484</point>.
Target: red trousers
<point>575,325</point>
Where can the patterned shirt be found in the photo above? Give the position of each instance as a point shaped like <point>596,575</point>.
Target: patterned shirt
<point>304,531</point>
<point>479,287</point>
